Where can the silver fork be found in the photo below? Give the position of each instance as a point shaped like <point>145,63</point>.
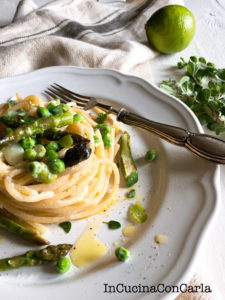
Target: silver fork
<point>204,145</point>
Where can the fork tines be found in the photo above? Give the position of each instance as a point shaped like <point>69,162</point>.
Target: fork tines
<point>57,91</point>
<point>66,96</point>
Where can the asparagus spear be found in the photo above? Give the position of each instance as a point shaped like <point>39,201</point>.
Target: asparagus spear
<point>36,127</point>
<point>6,223</point>
<point>37,257</point>
<point>128,166</point>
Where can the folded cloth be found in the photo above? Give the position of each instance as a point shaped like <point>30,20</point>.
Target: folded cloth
<point>83,33</point>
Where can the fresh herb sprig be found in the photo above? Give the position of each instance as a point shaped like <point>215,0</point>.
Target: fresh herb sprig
<point>202,89</point>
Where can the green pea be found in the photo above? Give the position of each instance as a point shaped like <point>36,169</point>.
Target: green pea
<point>137,214</point>
<point>131,194</point>
<point>151,155</point>
<point>63,265</point>
<point>56,166</point>
<point>57,101</point>
<point>122,253</point>
<point>104,128</point>
<point>107,140</point>
<point>51,155</point>
<point>66,141</point>
<point>40,150</point>
<point>53,104</point>
<point>114,224</point>
<point>78,118</point>
<point>43,112</point>
<point>30,154</point>
<point>45,176</point>
<point>57,110</point>
<point>101,118</point>
<point>35,168</point>
<point>65,107</point>
<point>40,172</point>
<point>28,142</point>
<point>52,146</point>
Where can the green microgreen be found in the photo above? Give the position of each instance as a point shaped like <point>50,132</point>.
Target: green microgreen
<point>202,88</point>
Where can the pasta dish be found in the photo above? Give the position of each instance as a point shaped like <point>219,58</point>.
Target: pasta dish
<point>39,181</point>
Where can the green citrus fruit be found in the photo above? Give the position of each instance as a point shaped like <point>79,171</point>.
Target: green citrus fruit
<point>171,28</point>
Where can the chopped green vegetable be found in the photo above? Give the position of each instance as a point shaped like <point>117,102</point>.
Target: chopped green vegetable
<point>122,253</point>
<point>14,113</point>
<point>40,150</point>
<point>96,140</point>
<point>28,142</point>
<point>78,118</point>
<point>57,110</point>
<point>56,166</point>
<point>66,141</point>
<point>11,103</point>
<point>35,257</point>
<point>113,224</point>
<point>52,146</point>
<point>10,225</point>
<point>105,130</point>
<point>66,226</point>
<point>101,118</point>
<point>41,172</point>
<point>128,167</point>
<point>202,88</point>
<point>151,155</point>
<point>30,154</point>
<point>63,265</point>
<point>131,194</point>
<point>132,179</point>
<point>137,214</point>
<point>37,127</point>
<point>51,155</point>
<point>13,154</point>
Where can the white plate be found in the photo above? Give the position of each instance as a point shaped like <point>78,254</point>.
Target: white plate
<point>180,190</point>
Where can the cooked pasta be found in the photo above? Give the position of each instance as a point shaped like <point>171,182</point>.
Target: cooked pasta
<point>80,191</point>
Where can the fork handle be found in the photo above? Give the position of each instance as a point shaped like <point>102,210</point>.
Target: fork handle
<point>204,145</point>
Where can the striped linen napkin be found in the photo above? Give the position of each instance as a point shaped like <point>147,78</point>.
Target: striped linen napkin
<point>84,33</point>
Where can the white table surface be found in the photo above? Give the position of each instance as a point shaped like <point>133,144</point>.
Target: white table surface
<point>209,42</point>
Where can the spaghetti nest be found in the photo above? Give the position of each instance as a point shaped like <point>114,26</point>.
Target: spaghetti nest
<point>82,190</point>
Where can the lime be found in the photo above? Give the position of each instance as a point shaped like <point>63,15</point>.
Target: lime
<point>171,28</point>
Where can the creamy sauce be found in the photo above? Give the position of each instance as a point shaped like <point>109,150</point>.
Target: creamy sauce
<point>87,249</point>
<point>160,239</point>
<point>128,230</point>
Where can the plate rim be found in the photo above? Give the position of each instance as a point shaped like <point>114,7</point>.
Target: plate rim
<point>189,270</point>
